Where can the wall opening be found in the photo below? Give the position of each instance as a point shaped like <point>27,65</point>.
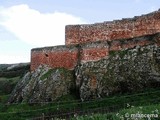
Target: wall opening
<point>46,55</point>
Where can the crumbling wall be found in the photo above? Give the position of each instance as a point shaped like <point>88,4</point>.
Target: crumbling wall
<point>119,29</point>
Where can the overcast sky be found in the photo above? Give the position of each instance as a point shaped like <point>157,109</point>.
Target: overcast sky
<point>26,24</point>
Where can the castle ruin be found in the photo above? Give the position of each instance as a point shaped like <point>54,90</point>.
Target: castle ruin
<point>96,61</point>
<point>91,42</point>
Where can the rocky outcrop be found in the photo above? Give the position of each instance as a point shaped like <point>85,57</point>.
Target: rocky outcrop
<point>127,70</point>
<point>43,85</point>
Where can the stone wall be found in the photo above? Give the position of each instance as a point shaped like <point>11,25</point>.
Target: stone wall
<point>57,56</point>
<point>119,29</point>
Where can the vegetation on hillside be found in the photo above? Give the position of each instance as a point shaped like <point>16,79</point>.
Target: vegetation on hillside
<point>10,74</point>
<point>113,108</point>
<point>13,70</point>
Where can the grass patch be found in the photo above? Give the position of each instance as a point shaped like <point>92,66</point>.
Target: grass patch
<point>132,113</point>
<point>67,98</point>
<point>8,84</point>
<point>67,105</point>
<point>63,71</point>
<point>121,53</point>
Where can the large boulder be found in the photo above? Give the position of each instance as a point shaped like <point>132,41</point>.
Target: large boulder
<point>43,85</point>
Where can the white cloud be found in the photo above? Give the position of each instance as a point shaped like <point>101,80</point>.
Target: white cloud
<point>13,58</point>
<point>37,28</point>
<point>14,51</point>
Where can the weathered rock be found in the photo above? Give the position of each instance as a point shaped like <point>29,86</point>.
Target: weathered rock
<point>127,70</point>
<point>43,84</point>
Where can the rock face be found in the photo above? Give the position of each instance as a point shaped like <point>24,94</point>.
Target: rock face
<point>126,70</point>
<point>43,85</point>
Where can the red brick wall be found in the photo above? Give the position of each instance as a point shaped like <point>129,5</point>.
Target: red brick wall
<point>118,45</point>
<point>73,33</point>
<point>54,57</point>
<point>120,29</point>
<point>94,51</point>
<point>94,54</point>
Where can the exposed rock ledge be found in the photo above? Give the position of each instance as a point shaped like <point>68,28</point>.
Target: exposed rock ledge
<point>43,85</point>
<point>122,71</point>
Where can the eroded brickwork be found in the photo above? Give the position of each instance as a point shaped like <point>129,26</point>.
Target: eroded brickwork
<point>133,42</point>
<point>120,29</point>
